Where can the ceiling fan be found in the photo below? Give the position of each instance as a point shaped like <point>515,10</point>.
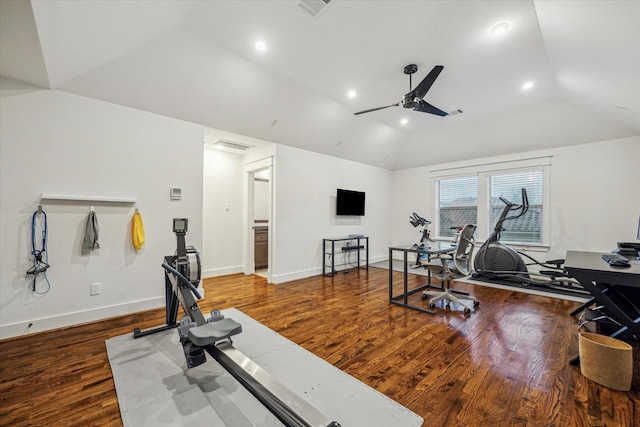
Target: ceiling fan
<point>414,99</point>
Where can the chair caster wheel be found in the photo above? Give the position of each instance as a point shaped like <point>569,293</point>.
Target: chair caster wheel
<point>424,296</point>
<point>467,310</point>
<point>476,303</point>
<point>448,306</point>
<point>432,305</point>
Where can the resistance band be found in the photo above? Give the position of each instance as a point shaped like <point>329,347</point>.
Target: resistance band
<point>39,265</point>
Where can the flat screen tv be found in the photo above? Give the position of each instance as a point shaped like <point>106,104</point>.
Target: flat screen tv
<point>350,202</point>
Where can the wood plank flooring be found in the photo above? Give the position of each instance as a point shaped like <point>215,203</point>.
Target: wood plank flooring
<point>505,364</point>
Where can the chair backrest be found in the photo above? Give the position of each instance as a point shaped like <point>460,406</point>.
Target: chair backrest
<point>464,250</point>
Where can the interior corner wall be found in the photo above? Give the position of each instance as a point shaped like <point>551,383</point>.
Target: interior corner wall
<point>305,197</point>
<point>223,213</point>
<point>594,200</point>
<point>57,143</point>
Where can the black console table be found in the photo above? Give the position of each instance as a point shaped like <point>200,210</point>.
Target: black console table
<point>359,245</point>
<point>607,285</point>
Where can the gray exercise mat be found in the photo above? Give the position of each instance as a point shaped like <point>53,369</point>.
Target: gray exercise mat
<point>155,388</point>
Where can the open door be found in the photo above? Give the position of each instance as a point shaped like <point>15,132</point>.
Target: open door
<point>261,209</point>
<point>259,227</point>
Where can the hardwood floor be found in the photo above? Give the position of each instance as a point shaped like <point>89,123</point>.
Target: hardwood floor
<point>506,364</point>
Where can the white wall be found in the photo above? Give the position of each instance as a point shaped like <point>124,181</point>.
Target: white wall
<point>53,142</point>
<point>223,212</point>
<point>305,193</point>
<point>595,196</point>
<point>595,190</point>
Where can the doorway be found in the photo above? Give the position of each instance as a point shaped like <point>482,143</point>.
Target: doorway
<point>259,241</point>
<point>261,221</point>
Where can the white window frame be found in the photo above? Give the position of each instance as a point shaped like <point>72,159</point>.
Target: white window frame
<point>483,172</point>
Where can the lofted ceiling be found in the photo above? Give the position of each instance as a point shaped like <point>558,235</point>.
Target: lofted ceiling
<point>197,61</point>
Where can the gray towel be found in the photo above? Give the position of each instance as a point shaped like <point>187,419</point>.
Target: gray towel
<point>91,231</point>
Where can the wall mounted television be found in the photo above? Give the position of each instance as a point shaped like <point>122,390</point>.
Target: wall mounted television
<point>350,202</point>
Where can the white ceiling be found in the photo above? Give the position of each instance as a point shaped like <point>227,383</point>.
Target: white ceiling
<point>196,61</point>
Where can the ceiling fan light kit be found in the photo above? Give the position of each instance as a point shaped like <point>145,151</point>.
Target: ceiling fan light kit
<point>414,98</point>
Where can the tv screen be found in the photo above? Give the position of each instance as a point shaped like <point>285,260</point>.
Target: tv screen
<point>350,202</point>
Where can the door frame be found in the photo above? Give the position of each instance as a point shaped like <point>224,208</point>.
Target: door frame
<point>250,169</point>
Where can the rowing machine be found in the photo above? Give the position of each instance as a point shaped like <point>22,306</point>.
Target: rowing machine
<point>198,334</point>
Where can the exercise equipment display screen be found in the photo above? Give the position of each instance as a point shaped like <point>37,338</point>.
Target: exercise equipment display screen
<point>180,225</point>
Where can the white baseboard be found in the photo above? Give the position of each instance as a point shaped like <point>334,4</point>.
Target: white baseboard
<point>215,272</point>
<point>288,277</point>
<point>78,317</point>
<point>303,274</point>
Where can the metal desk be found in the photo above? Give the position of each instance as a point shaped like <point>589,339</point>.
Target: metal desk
<point>403,299</point>
<point>599,278</point>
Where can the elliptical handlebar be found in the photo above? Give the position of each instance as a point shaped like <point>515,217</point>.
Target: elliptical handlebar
<point>523,208</point>
<point>512,206</point>
<point>525,202</point>
<point>506,202</point>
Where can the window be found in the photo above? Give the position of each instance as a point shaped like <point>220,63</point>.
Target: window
<point>457,202</point>
<point>471,195</point>
<point>527,228</point>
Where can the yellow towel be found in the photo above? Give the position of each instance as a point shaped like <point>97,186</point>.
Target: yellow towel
<point>137,231</point>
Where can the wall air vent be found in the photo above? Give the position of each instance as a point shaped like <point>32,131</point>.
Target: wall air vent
<point>313,7</point>
<point>225,143</point>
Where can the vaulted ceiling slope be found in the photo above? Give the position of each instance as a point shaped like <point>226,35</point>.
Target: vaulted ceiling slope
<point>196,61</point>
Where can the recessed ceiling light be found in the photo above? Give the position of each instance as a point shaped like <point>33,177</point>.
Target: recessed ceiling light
<point>527,85</point>
<point>404,121</point>
<point>500,28</point>
<point>261,45</point>
<point>351,94</point>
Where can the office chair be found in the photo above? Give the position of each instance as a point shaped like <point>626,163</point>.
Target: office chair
<point>453,266</point>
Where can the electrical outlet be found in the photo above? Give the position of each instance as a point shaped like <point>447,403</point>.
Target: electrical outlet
<point>95,289</point>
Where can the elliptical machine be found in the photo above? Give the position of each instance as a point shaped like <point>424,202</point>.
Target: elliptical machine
<point>496,260</point>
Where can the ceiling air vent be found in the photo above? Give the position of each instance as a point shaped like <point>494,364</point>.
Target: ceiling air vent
<point>313,7</point>
<point>225,143</point>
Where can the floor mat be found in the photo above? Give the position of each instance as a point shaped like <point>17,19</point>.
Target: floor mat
<point>155,388</point>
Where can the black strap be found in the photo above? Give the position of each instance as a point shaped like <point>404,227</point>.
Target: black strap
<point>39,264</point>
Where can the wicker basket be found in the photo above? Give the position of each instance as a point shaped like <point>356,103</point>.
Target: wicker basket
<point>605,360</point>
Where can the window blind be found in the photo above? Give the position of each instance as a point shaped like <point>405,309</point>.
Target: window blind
<point>457,204</point>
<point>527,228</point>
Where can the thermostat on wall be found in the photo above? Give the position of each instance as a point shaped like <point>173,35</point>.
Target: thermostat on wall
<point>175,193</point>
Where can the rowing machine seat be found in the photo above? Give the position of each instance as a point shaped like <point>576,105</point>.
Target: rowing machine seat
<point>211,332</point>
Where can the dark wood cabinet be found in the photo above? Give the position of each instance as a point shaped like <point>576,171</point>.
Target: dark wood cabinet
<point>261,247</point>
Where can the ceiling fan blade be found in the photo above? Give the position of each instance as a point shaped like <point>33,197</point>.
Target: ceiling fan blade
<point>425,107</point>
<point>376,109</point>
<point>421,90</point>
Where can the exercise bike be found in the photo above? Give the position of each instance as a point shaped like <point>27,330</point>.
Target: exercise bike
<point>495,260</point>
<point>418,221</point>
